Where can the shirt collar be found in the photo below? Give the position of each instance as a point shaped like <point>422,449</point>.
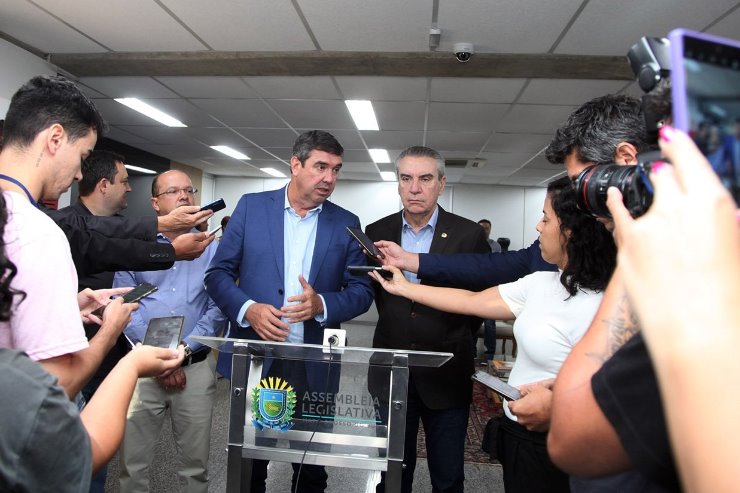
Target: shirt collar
<point>432,220</point>
<point>287,205</point>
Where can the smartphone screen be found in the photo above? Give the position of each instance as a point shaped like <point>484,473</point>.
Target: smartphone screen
<point>497,385</point>
<point>705,84</point>
<point>164,332</point>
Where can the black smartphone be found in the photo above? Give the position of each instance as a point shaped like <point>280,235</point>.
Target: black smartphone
<point>705,88</point>
<point>365,241</point>
<point>215,206</point>
<point>364,269</point>
<point>139,292</point>
<point>164,332</point>
<point>497,385</point>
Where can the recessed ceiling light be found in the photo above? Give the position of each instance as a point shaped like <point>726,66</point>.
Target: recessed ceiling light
<point>363,114</point>
<point>230,152</point>
<point>380,156</point>
<point>140,169</point>
<point>273,172</point>
<point>151,112</point>
<point>388,175</point>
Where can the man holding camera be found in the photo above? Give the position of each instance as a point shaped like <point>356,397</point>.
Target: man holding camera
<point>606,130</point>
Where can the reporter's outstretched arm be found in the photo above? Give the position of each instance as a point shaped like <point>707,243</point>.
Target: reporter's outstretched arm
<point>104,417</point>
<point>705,283</point>
<point>183,218</point>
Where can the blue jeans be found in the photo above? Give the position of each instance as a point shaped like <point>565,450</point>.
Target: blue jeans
<point>445,431</point>
<point>489,338</point>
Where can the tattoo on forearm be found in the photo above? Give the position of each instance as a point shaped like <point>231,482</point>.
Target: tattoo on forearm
<point>619,329</point>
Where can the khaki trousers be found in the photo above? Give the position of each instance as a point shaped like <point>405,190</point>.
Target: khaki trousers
<point>191,411</point>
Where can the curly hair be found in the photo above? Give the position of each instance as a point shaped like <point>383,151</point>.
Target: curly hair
<point>8,270</point>
<point>592,254</point>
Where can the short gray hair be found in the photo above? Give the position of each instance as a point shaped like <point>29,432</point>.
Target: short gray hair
<point>421,151</point>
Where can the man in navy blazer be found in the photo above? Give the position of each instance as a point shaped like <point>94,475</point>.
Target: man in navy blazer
<point>289,249</point>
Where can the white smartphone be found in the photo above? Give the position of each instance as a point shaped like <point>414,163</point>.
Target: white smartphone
<point>214,231</point>
<point>497,385</point>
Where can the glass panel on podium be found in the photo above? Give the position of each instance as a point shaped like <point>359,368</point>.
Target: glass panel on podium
<point>332,406</point>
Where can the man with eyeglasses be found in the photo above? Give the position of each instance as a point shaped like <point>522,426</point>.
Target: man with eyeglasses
<point>189,391</point>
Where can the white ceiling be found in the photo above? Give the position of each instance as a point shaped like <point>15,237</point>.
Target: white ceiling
<point>504,121</point>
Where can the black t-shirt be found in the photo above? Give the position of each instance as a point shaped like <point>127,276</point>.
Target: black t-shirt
<point>626,389</point>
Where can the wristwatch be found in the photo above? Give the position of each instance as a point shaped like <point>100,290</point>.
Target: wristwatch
<point>188,353</point>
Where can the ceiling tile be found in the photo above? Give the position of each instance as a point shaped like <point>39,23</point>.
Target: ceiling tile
<point>475,90</point>
<point>465,117</point>
<point>244,25</point>
<point>457,141</point>
<point>539,119</point>
<point>240,112</point>
<point>568,91</point>
<point>383,88</point>
<point>128,87</point>
<point>293,87</point>
<point>313,114</point>
<point>399,115</point>
<point>135,21</point>
<point>208,87</point>
<point>517,142</point>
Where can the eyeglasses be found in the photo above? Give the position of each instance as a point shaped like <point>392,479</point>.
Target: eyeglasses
<point>176,191</point>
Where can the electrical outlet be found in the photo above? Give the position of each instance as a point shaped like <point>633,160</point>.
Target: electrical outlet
<point>339,334</point>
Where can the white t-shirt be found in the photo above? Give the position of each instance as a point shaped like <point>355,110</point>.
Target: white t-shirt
<point>549,322</point>
<point>47,323</point>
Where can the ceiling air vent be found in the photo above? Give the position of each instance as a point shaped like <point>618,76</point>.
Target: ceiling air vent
<point>465,163</point>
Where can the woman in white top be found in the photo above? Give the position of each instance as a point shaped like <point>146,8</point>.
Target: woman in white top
<point>552,311</point>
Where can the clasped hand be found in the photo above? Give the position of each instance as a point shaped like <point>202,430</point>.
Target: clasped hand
<point>266,319</point>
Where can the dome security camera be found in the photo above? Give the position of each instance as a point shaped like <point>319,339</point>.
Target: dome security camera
<point>463,51</point>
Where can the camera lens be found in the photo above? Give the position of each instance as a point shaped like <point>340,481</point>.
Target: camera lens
<point>632,181</point>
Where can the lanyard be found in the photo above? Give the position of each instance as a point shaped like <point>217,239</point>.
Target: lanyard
<point>22,187</point>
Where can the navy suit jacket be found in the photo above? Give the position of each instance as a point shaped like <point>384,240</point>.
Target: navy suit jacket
<point>480,271</point>
<point>251,251</point>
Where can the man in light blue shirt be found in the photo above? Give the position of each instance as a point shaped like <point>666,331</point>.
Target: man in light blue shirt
<point>289,250</point>
<point>189,391</point>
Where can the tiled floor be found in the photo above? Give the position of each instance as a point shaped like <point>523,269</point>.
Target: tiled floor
<point>478,477</point>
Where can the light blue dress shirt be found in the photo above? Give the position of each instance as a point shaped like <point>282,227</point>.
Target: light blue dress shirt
<point>181,292</point>
<point>418,242</point>
<point>299,239</point>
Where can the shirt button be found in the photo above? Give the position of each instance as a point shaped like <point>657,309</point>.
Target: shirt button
<point>173,289</point>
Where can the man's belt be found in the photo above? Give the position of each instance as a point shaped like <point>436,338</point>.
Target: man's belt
<point>197,356</point>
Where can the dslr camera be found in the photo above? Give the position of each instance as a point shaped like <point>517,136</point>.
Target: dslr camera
<point>650,62</point>
<point>632,180</point>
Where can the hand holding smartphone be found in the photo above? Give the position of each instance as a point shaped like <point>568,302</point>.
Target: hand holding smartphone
<point>366,242</point>
<point>215,206</point>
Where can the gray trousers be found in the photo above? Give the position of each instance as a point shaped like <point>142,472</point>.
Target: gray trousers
<point>191,410</point>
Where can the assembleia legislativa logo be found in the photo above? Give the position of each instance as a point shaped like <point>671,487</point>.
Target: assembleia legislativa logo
<point>273,404</point>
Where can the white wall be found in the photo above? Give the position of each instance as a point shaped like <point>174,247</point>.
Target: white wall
<point>514,211</point>
<point>18,66</point>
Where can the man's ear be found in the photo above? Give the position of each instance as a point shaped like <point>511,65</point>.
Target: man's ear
<point>295,163</point>
<point>626,153</point>
<point>155,203</point>
<point>103,185</point>
<point>55,137</point>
